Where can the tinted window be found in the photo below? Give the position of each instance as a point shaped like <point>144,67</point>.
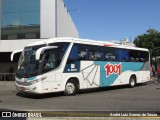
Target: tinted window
<point>62,47</point>
<point>82,52</point>
<point>134,56</point>
<point>99,53</point>
<point>139,56</point>
<point>85,52</point>
<point>110,54</point>
<point>95,53</point>
<point>123,55</point>
<point>20,17</point>
<point>51,60</point>
<point>144,56</point>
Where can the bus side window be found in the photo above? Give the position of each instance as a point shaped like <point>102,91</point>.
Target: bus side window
<point>98,55</point>
<point>127,55</point>
<point>62,49</point>
<point>49,62</point>
<point>82,52</point>
<point>123,55</point>
<point>95,53</point>
<point>73,56</point>
<point>134,56</point>
<point>120,55</point>
<point>110,54</point>
<point>144,56</point>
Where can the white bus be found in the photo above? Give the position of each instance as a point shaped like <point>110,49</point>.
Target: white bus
<point>72,64</point>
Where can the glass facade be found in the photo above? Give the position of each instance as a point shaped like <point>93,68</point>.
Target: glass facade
<point>20,19</point>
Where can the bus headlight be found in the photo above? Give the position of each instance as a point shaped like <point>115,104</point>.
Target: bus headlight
<point>30,82</point>
<point>35,81</point>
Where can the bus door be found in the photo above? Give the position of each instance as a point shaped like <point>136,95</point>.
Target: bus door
<point>48,64</point>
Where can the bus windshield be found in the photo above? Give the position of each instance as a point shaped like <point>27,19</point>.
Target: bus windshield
<point>28,66</point>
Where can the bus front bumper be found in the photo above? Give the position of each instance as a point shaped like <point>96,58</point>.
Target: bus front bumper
<point>29,87</point>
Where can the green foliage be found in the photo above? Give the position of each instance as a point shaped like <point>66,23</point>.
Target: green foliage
<point>149,40</point>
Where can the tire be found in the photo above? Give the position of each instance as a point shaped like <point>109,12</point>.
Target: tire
<point>132,82</point>
<point>71,88</point>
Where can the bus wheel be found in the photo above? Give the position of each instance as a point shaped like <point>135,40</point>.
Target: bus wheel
<point>71,88</point>
<point>132,82</point>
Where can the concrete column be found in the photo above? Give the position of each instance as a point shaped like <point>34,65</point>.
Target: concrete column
<point>47,18</point>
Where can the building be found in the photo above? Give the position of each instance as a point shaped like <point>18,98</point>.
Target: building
<point>26,21</point>
<point>124,42</point>
<point>127,42</point>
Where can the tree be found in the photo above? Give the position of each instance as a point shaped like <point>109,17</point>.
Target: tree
<point>149,40</point>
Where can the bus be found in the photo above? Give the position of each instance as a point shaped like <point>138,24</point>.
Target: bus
<point>72,64</point>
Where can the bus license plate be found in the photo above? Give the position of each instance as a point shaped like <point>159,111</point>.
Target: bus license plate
<point>22,89</point>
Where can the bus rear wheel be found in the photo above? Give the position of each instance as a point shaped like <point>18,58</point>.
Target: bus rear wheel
<point>132,82</point>
<point>71,88</point>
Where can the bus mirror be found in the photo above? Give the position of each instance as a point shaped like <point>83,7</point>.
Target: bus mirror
<point>42,49</point>
<point>15,52</point>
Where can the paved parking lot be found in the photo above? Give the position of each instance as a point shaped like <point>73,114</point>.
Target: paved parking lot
<point>144,97</point>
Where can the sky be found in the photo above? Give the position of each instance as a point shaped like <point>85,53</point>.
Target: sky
<point>114,19</point>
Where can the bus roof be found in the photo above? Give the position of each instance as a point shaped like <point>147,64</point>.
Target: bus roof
<point>84,41</point>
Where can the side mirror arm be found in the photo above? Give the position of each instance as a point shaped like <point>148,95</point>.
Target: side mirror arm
<point>42,49</point>
<point>15,52</point>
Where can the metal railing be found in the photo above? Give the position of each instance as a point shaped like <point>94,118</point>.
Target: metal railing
<point>7,76</point>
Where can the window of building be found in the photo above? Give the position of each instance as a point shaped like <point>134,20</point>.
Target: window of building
<point>20,17</point>
<point>20,36</point>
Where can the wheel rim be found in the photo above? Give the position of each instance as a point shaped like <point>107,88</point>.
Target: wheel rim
<point>70,88</point>
<point>132,83</point>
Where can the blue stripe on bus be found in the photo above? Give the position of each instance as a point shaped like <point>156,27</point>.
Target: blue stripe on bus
<point>31,78</point>
<point>125,66</point>
<point>107,79</point>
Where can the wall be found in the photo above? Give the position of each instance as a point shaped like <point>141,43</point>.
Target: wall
<point>5,70</point>
<point>55,20</point>
<point>5,67</point>
<point>47,16</point>
<point>12,45</point>
<point>0,16</point>
<point>65,25</point>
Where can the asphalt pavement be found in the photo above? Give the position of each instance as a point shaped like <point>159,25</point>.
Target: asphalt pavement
<point>144,97</point>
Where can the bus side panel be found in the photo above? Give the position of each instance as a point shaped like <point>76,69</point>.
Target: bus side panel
<point>91,74</point>
<point>143,76</point>
<point>51,82</point>
<point>117,73</point>
<point>86,72</point>
<point>68,76</point>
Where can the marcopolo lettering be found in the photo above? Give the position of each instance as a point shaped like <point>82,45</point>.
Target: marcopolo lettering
<point>113,69</point>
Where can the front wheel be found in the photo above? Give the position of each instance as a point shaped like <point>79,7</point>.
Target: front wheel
<point>71,88</point>
<point>132,82</point>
